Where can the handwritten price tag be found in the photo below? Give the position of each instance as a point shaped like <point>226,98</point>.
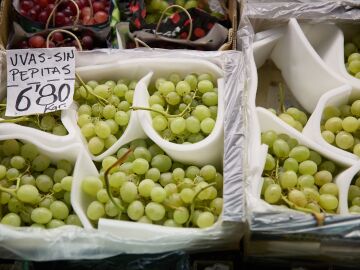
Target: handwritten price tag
<point>39,80</point>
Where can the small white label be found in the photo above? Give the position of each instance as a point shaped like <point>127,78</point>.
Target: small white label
<point>39,80</point>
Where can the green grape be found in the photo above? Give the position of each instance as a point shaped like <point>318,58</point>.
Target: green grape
<point>344,140</point>
<point>306,180</point>
<point>192,124</point>
<point>210,98</point>
<point>205,219</point>
<point>268,137</point>
<point>59,210</point>
<point>40,163</point>
<point>281,148</point>
<point>140,166</point>
<point>18,162</point>
<point>330,112</point>
<point>84,109</point>
<point>328,202</point>
<point>329,188</point>
<point>208,172</point>
<point>27,194</point>
<point>178,125</point>
<point>135,210</point>
<point>349,48</point>
<point>102,196</point>
<point>290,164</point>
<point>178,174</point>
<point>207,125</point>
<point>95,210</point>
<point>328,166</point>
<point>155,211</point>
<point>145,187</point>
<point>328,136</point>
<point>354,191</point>
<point>55,223</point>
<point>354,209</point>
<point>272,193</point>
<point>44,183</point>
<point>111,209</point>
<point>288,179</point>
<point>83,119</point>
<point>11,147</point>
<point>311,194</point>
<point>297,197</point>
<point>181,215</point>
<point>91,185</point>
<point>128,192</point>
<point>158,194</point>
<point>308,167</point>
<point>59,174</point>
<point>350,124</point>
<point>96,145</point>
<point>183,88</point>
<point>41,215</point>
<point>103,91</point>
<point>145,219</point>
<point>29,151</point>
<point>201,112</point>
<point>300,153</point>
<point>11,219</point>
<point>333,124</point>
<point>160,123</point>
<point>102,130</point>
<point>162,162</point>
<point>153,174</point>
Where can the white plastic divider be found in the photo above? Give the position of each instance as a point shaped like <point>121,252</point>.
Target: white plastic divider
<point>207,151</point>
<point>343,181</point>
<point>336,97</point>
<point>304,71</point>
<point>268,121</point>
<point>331,48</point>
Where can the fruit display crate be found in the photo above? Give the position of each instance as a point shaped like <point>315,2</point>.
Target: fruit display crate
<point>301,80</point>
<point>154,191</point>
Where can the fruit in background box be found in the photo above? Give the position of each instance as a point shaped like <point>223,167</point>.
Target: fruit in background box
<point>26,202</point>
<point>296,176</point>
<point>340,126</point>
<point>65,14</point>
<point>58,39</point>
<point>104,112</point>
<point>148,187</point>
<point>181,108</point>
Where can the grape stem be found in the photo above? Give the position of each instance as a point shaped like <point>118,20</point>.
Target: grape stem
<point>165,114</point>
<point>294,206</point>
<point>282,98</point>
<point>100,99</point>
<point>16,120</point>
<point>106,176</point>
<point>192,207</point>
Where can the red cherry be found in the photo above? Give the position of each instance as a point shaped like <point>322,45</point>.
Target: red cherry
<point>87,42</point>
<point>87,20</point>
<point>86,11</point>
<point>37,8</point>
<point>98,6</point>
<point>51,44</point>
<point>107,9</point>
<point>50,7</point>
<point>43,16</point>
<point>23,12</point>
<point>42,3</point>
<point>23,45</point>
<point>26,5</point>
<point>57,37</point>
<point>59,19</point>
<point>67,21</point>
<point>33,14</point>
<point>37,41</point>
<point>101,17</point>
<point>68,12</point>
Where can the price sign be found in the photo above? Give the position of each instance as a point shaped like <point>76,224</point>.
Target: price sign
<point>39,80</point>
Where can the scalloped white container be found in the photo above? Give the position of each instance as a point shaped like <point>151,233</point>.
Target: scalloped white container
<point>268,121</point>
<point>116,71</point>
<point>331,48</point>
<point>207,151</point>
<point>304,71</point>
<point>336,97</point>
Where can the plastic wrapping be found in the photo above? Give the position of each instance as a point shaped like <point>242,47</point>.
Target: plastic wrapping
<point>71,242</point>
<point>302,39</point>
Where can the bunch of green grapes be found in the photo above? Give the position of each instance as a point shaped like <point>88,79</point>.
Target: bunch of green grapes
<point>34,191</point>
<point>352,57</point>
<point>354,196</point>
<point>151,188</point>
<point>293,117</point>
<point>104,112</point>
<point>340,126</point>
<point>297,177</point>
<point>48,122</point>
<point>184,110</point>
